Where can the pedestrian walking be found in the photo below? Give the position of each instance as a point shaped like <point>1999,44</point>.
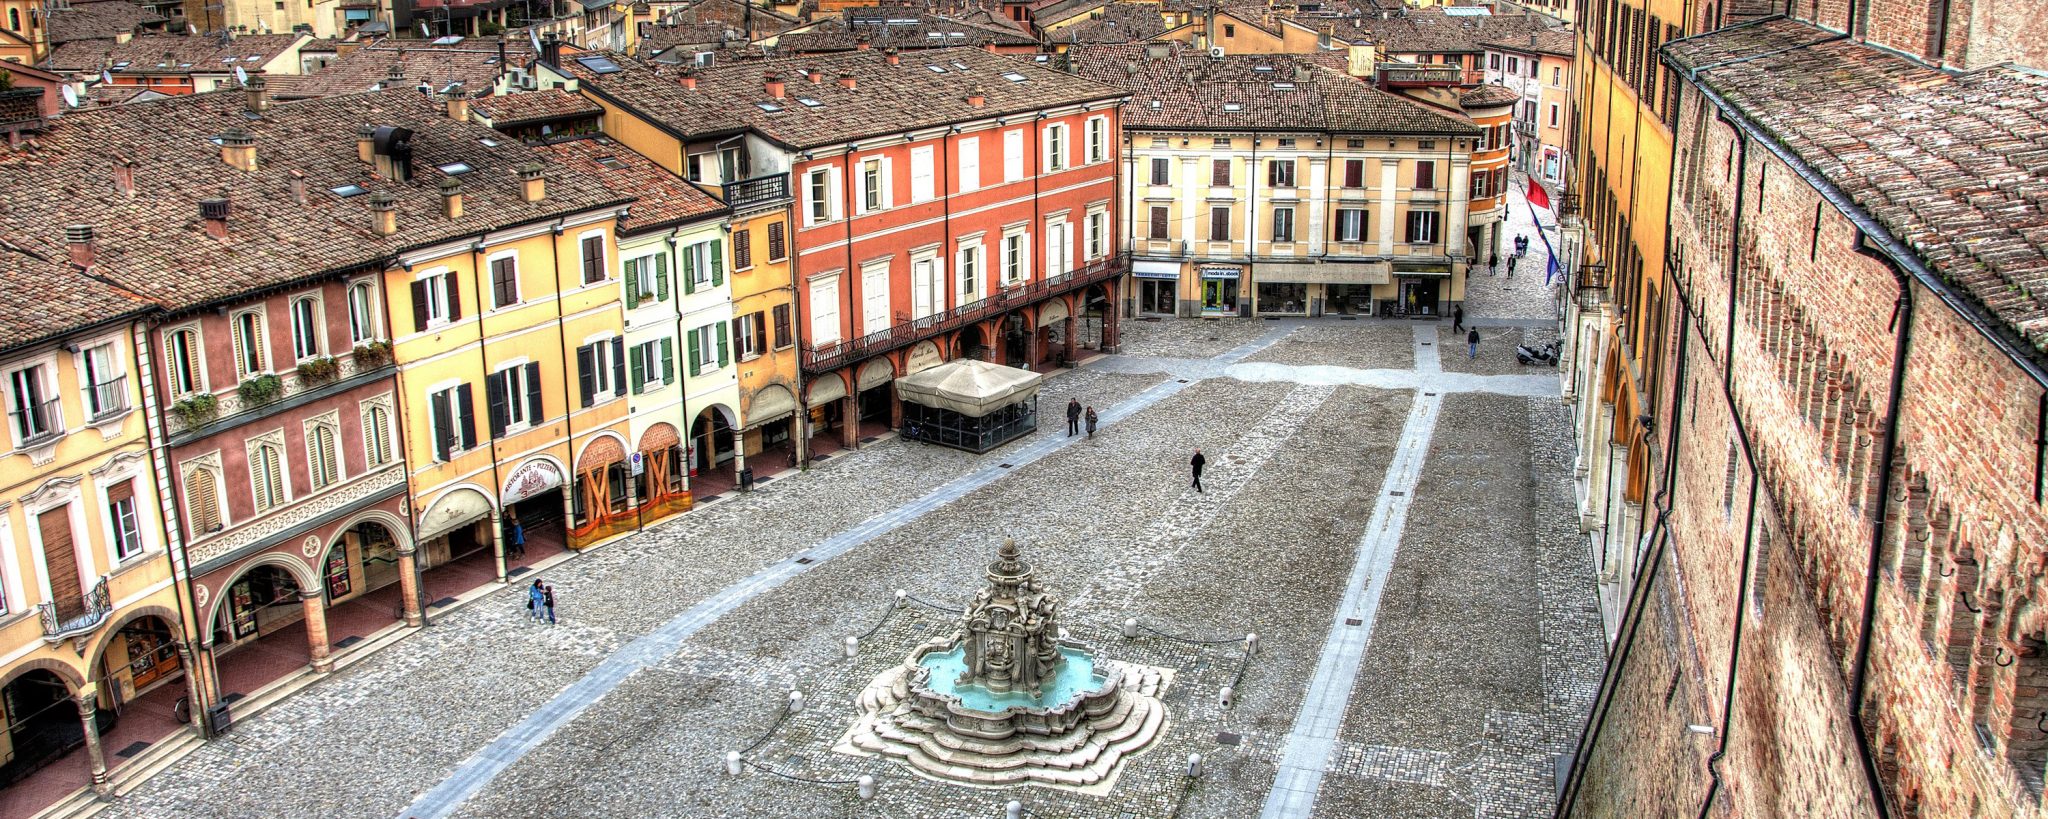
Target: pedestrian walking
<point>1091,422</point>
<point>1511,265</point>
<point>1493,265</point>
<point>1073,416</point>
<point>1472,343</point>
<point>1458,318</point>
<point>548,598</point>
<point>1195,463</point>
<point>515,540</point>
<point>536,600</point>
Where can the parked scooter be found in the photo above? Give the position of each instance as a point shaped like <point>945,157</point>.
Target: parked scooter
<point>1546,354</point>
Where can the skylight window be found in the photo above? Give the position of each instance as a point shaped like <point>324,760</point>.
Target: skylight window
<point>1039,59</point>
<point>611,162</point>
<point>959,65</point>
<point>1265,69</point>
<point>810,103</point>
<point>1283,86</point>
<point>768,106</point>
<point>448,40</point>
<point>600,64</point>
<point>1013,76</point>
<point>455,168</point>
<point>937,69</point>
<point>1232,106</point>
<point>488,142</point>
<point>956,34</point>
<point>253,58</point>
<point>935,35</point>
<point>1155,105</point>
<point>347,191</point>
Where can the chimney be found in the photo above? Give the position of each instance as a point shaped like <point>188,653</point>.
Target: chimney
<point>391,148</point>
<point>815,74</point>
<point>124,176</point>
<point>977,97</point>
<point>846,81</point>
<point>257,91</point>
<point>533,184</point>
<point>989,47</point>
<point>451,198</point>
<point>366,144</point>
<point>214,214</point>
<point>551,50</point>
<point>775,86</point>
<point>689,80</point>
<point>860,43</point>
<point>894,57</point>
<point>238,148</point>
<point>396,76</point>
<point>458,103</point>
<point>383,213</point>
<point>79,239</point>
<point>296,183</point>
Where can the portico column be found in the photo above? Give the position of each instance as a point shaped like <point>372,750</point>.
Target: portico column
<point>315,607</point>
<point>88,712</point>
<point>1110,326</point>
<point>498,538</point>
<point>192,690</point>
<point>409,583</point>
<point>849,420</point>
<point>800,433</point>
<point>1068,330</point>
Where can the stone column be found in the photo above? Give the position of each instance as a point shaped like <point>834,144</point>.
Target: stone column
<point>498,538</point>
<point>1111,321</point>
<point>409,584</point>
<point>193,694</point>
<point>1031,352</point>
<point>88,711</point>
<point>800,434</point>
<point>849,417</point>
<point>316,629</point>
<point>1070,333</point>
<point>895,409</point>
<point>999,348</point>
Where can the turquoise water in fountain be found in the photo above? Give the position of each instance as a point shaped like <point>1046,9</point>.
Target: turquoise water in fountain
<point>1076,675</point>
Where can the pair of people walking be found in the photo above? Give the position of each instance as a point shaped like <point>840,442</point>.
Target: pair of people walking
<point>1076,416</point>
<point>540,601</point>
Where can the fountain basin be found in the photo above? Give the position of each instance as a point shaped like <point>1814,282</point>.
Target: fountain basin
<point>1078,692</point>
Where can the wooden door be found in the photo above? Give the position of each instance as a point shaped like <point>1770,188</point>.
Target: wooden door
<point>60,561</point>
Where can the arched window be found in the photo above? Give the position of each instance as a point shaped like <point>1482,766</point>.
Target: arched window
<point>376,436</point>
<point>362,324</point>
<point>202,501</point>
<point>266,475</point>
<point>14,19</point>
<point>249,343</point>
<point>305,328</point>
<point>183,361</point>
<point>322,463</point>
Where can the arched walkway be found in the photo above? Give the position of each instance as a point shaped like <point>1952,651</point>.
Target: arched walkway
<point>715,460</point>
<point>269,621</point>
<point>876,398</point>
<point>50,750</point>
<point>603,497</point>
<point>769,441</point>
<point>535,525</point>
<point>663,487</point>
<point>361,575</point>
<point>827,404</point>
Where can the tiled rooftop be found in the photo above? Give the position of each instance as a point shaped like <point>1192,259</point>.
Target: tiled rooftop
<point>929,88</point>
<point>474,62</point>
<point>664,198</point>
<point>169,54</point>
<point>894,27</point>
<point>1487,95</point>
<point>534,106</point>
<point>1431,31</point>
<point>98,20</point>
<point>281,227</point>
<point>1115,23</point>
<point>1190,90</point>
<point>1953,165</point>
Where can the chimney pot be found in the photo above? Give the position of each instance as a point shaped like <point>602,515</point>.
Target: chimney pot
<point>977,97</point>
<point>214,214</point>
<point>366,144</point>
<point>816,75</point>
<point>124,176</point>
<point>79,239</point>
<point>238,149</point>
<point>989,47</point>
<point>257,93</point>
<point>533,182</point>
<point>847,81</point>
<point>397,71</point>
<point>451,198</point>
<point>689,80</point>
<point>297,184</point>
<point>458,103</point>
<point>892,56</point>
<point>383,213</point>
<point>775,86</point>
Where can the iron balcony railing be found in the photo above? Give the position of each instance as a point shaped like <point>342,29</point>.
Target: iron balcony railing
<point>92,610</point>
<point>760,190</point>
<point>108,397</point>
<point>826,357</point>
<point>37,422</point>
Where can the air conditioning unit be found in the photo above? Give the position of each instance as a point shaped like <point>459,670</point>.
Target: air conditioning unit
<point>1215,52</point>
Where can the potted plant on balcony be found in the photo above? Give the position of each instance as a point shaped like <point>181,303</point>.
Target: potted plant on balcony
<point>373,353</point>
<point>196,410</point>
<point>260,390</point>
<point>319,370</point>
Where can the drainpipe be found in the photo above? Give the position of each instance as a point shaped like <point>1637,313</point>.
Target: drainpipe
<point>569,410</point>
<point>476,272</point>
<point>1734,264</point>
<point>1735,645</point>
<point>1859,681</point>
<point>174,542</point>
<point>1251,235</point>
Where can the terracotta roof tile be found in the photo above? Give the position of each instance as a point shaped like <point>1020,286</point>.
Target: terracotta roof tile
<point>896,27</point>
<point>169,53</point>
<point>473,62</point>
<point>98,20</point>
<point>534,106</point>
<point>664,198</point>
<point>1952,165</point>
<point>1189,90</point>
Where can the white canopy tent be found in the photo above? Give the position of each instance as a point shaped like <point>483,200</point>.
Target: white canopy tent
<point>971,387</point>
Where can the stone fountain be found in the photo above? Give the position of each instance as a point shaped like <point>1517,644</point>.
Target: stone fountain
<point>1007,699</point>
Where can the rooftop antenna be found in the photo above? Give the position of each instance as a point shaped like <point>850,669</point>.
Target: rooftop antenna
<point>241,77</point>
<point>70,97</point>
<point>533,39</point>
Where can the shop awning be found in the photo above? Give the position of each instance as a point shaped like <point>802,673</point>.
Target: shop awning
<point>1155,270</point>
<point>770,404</point>
<point>826,389</point>
<point>1325,273</point>
<point>457,508</point>
<point>530,479</point>
<point>969,386</point>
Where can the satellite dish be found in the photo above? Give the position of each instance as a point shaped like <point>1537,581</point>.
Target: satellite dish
<point>424,31</point>
<point>70,97</point>
<point>106,77</point>
<point>533,39</point>
<point>241,76</point>
<point>192,28</point>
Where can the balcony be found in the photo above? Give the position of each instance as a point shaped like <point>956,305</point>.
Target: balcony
<point>1591,287</point>
<point>827,357</point>
<point>38,423</point>
<point>1414,75</point>
<point>755,192</point>
<point>198,415</point>
<point>79,615</point>
<point>107,398</point>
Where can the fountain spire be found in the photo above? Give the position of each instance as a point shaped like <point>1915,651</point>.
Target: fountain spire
<point>1010,635</point>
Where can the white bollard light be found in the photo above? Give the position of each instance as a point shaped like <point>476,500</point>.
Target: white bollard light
<point>796,701</point>
<point>1251,643</point>
<point>1014,810</point>
<point>732,763</point>
<point>852,647</point>
<point>1131,629</point>
<point>1194,766</point>
<point>902,598</point>
<point>866,784</point>
<point>1228,696</point>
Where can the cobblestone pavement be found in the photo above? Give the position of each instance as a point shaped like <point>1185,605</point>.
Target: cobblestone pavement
<point>1473,676</point>
<point>1498,296</point>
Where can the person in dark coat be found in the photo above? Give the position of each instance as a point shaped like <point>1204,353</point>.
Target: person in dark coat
<point>1073,416</point>
<point>549,599</point>
<point>1472,343</point>
<point>1091,422</point>
<point>1457,318</point>
<point>1195,463</point>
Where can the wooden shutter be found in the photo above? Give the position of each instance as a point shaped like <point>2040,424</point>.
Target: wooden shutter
<point>1354,173</point>
<point>1425,175</point>
<point>586,372</point>
<point>273,473</point>
<point>632,282</point>
<point>661,277</point>
<point>60,562</point>
<point>444,425</point>
<point>742,249</point>
<point>696,353</point>
<point>504,281</point>
<point>782,328</point>
<point>534,412</point>
<point>690,269</point>
<point>639,367</point>
<point>668,361</point>
<point>1219,172</point>
<point>618,366</point>
<point>202,499</point>
<point>465,411</point>
<point>454,296</point>
<point>724,357</point>
<point>496,403</point>
<point>777,248</point>
<point>717,262</point>
<point>330,465</point>
<point>419,306</point>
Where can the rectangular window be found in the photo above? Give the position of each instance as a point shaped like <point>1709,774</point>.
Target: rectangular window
<point>1220,142</point>
<point>1219,224</point>
<point>121,518</point>
<point>512,398</point>
<point>1493,61</point>
<point>824,304</point>
<point>1479,186</point>
<point>778,244</point>
<point>1422,227</point>
<point>1013,155</point>
<point>1014,248</point>
<point>1283,224</point>
<point>970,273</point>
<point>707,349</point>
<point>644,366</point>
<point>593,260</point>
<point>1554,115</point>
<point>1161,167</point>
<point>1098,234</point>
<point>818,200</point>
<point>436,300</point>
<point>452,421</point>
<point>1350,224</point>
<point>106,386</point>
<point>1280,173</point>
<point>970,163</point>
<point>750,335</point>
<point>601,370</point>
<point>783,335</point>
<point>504,282</point>
<point>646,279</point>
<point>1425,175</point>
<point>1157,226</point>
<point>1098,139</point>
<point>1514,66</point>
<point>742,249</point>
<point>1354,173</point>
<point>921,182</point>
<point>1219,173</point>
<point>1055,147</point>
<point>305,329</point>
<point>871,185</point>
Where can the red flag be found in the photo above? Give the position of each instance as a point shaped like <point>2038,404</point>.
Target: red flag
<point>1537,196</point>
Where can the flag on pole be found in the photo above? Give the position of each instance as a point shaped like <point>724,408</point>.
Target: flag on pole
<point>1537,196</point>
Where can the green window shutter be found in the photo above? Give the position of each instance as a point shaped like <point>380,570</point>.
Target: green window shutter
<point>689,270</point>
<point>668,361</point>
<point>633,283</point>
<point>639,370</point>
<point>696,355</point>
<point>722,355</point>
<point>717,262</point>
<point>661,277</point>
